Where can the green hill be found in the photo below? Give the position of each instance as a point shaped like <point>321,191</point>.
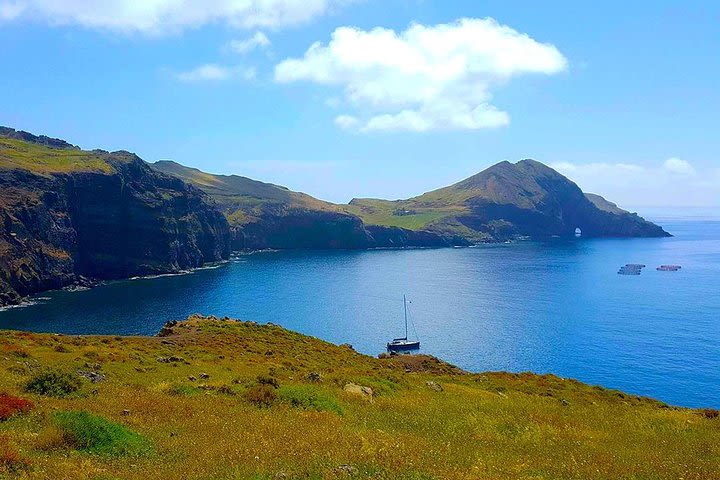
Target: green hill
<point>508,201</point>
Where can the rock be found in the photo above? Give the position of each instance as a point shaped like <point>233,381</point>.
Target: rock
<point>171,359</point>
<point>564,402</point>
<point>204,376</point>
<point>167,330</point>
<point>347,470</point>
<point>314,377</point>
<point>125,413</point>
<point>359,390</point>
<point>94,377</point>
<point>348,346</point>
<point>383,355</point>
<point>192,378</point>
<point>434,386</point>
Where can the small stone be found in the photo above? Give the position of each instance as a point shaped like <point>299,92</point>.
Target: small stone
<point>192,378</point>
<point>94,377</point>
<point>564,402</point>
<point>434,386</point>
<point>359,390</point>
<point>126,412</point>
<point>347,470</point>
<point>204,376</point>
<point>314,377</point>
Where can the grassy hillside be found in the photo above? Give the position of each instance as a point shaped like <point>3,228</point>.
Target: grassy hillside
<point>218,399</point>
<point>42,159</point>
<point>506,201</point>
<point>243,198</point>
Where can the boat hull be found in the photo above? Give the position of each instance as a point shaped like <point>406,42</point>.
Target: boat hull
<point>403,346</point>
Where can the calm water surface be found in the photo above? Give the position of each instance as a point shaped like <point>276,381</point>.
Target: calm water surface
<point>556,307</point>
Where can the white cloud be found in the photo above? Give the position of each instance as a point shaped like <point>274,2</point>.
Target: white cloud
<point>346,121</point>
<point>213,72</point>
<point>677,165</point>
<point>10,10</point>
<point>259,40</point>
<point>673,182</point>
<point>426,77</point>
<point>160,16</point>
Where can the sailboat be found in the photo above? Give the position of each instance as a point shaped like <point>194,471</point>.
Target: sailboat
<point>403,344</point>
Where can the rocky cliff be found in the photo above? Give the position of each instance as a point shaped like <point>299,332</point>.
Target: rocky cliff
<point>69,216</point>
<point>508,201</point>
<point>263,215</point>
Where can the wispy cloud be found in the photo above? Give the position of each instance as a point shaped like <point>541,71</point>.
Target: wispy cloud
<point>216,73</point>
<point>673,182</point>
<point>162,16</point>
<point>259,40</point>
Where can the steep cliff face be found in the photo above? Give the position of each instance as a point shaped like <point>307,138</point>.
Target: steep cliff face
<point>263,215</point>
<point>67,215</point>
<point>396,237</point>
<point>301,229</point>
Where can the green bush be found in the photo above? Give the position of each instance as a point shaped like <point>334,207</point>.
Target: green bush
<point>53,383</point>
<point>183,390</point>
<point>380,386</point>
<point>310,398</point>
<point>97,435</point>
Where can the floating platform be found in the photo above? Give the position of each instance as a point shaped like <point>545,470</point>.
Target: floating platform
<point>668,268</point>
<point>631,269</point>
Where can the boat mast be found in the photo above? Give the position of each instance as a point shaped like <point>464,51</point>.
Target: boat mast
<point>405,305</point>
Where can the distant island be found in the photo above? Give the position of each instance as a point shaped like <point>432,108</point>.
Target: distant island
<point>71,217</point>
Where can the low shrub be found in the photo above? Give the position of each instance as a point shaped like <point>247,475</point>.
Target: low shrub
<point>261,395</point>
<point>53,383</point>
<point>11,406</point>
<point>710,413</point>
<point>181,389</point>
<point>97,435</point>
<point>10,459</point>
<point>309,398</point>
<point>268,380</point>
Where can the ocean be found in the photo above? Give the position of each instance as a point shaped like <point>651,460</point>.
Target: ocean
<point>556,307</point>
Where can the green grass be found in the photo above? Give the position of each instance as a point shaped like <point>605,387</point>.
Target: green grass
<point>383,212</point>
<point>99,436</point>
<point>45,160</point>
<point>309,398</point>
<point>183,389</point>
<point>489,425</point>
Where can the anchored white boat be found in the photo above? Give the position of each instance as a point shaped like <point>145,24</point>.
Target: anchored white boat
<point>403,344</point>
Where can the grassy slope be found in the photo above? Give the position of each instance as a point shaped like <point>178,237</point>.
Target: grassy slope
<point>241,197</point>
<point>491,425</point>
<point>502,183</point>
<point>41,159</point>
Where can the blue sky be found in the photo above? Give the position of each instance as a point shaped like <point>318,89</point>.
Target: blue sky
<point>399,96</point>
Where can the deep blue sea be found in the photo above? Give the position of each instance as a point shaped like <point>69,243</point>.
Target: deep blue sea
<point>557,307</point>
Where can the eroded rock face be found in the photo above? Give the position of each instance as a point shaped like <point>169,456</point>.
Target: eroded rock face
<point>301,229</point>
<point>56,228</point>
